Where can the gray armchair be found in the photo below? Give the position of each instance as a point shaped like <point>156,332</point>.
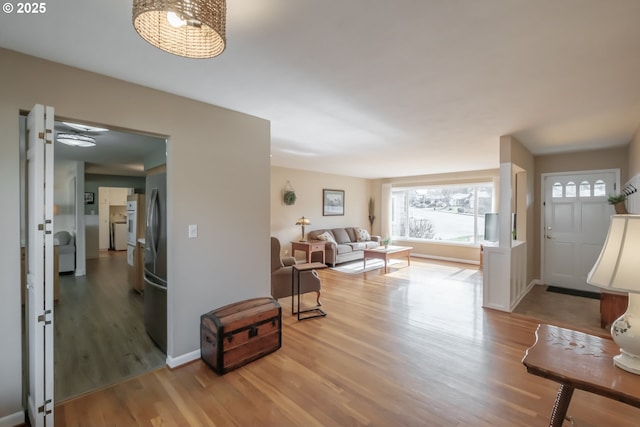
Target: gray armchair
<point>281,273</point>
<point>66,243</point>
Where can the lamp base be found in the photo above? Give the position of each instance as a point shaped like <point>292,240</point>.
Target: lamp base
<point>628,362</point>
<point>625,332</point>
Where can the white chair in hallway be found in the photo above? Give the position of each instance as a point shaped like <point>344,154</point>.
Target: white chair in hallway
<point>66,244</point>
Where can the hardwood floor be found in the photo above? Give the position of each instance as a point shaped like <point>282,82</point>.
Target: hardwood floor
<point>409,348</point>
<point>563,310</point>
<point>99,332</point>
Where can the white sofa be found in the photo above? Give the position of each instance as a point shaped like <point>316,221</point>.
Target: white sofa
<point>66,244</point>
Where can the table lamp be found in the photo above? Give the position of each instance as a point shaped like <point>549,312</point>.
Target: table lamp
<point>303,221</point>
<point>618,269</point>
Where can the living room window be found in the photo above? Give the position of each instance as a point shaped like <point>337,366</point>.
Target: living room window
<point>444,213</point>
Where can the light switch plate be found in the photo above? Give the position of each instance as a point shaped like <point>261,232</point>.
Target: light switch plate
<point>193,231</point>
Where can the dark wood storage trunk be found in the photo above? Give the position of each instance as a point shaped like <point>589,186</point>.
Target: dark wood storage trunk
<point>239,333</point>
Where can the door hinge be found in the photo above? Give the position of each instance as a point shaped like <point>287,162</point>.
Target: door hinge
<point>48,139</point>
<point>45,317</point>
<point>46,408</point>
<point>40,227</point>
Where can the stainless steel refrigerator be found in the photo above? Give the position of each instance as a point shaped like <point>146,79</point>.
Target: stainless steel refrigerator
<point>155,260</point>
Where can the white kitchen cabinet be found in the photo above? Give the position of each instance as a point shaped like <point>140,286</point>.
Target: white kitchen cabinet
<point>118,196</point>
<point>113,196</point>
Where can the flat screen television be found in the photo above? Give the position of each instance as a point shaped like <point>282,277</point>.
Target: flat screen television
<point>491,227</point>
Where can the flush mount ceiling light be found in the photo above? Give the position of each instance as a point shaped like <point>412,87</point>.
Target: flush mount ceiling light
<point>189,28</point>
<point>76,140</point>
<point>85,128</point>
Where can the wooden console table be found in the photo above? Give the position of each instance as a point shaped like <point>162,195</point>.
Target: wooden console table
<point>579,361</point>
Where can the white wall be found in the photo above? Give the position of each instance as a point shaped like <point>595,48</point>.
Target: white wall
<point>308,187</point>
<point>218,178</point>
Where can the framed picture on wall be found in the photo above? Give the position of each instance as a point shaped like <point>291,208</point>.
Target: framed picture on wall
<point>88,198</point>
<point>332,202</point>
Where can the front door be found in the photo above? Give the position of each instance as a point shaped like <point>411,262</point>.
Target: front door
<point>39,265</point>
<point>576,220</point>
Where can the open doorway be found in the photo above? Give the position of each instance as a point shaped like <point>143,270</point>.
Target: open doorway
<point>100,338</point>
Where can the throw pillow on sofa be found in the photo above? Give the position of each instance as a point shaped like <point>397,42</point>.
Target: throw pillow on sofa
<point>341,235</point>
<point>326,236</point>
<point>363,235</point>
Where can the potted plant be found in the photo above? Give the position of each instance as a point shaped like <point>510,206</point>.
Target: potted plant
<point>386,241</point>
<point>618,202</point>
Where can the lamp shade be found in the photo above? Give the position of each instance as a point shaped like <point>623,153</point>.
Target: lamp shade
<point>188,28</point>
<point>303,221</point>
<point>618,266</point>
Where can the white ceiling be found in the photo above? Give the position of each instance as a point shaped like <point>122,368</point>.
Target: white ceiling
<point>376,88</point>
<point>116,152</point>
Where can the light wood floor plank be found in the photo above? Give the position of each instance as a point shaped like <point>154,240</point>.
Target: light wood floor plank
<point>410,348</point>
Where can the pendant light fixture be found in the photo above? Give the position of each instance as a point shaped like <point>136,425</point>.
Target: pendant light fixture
<point>189,28</point>
<point>76,140</point>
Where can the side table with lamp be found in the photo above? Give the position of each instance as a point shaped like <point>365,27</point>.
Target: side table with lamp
<point>618,269</point>
<point>581,361</point>
<point>308,247</point>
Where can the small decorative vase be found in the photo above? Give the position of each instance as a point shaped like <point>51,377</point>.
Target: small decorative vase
<point>386,246</point>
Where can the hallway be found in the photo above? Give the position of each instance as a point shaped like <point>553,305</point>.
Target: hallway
<point>100,337</point>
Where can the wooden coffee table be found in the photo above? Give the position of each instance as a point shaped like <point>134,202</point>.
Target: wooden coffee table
<point>387,253</point>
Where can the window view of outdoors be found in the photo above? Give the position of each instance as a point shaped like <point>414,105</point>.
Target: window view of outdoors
<point>443,213</point>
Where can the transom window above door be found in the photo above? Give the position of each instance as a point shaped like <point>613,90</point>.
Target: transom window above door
<point>584,190</point>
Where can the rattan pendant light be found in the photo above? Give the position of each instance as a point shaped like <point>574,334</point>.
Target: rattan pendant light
<point>189,28</point>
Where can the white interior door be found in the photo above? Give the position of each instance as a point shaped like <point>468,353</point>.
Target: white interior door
<point>576,220</point>
<point>39,264</point>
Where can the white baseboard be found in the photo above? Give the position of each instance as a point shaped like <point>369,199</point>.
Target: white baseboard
<point>441,258</point>
<point>12,420</point>
<point>530,286</point>
<point>174,362</point>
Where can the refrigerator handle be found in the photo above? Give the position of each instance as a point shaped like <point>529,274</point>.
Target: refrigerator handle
<point>153,222</point>
<point>155,285</point>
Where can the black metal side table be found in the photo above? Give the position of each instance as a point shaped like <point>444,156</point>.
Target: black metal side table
<point>295,274</point>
